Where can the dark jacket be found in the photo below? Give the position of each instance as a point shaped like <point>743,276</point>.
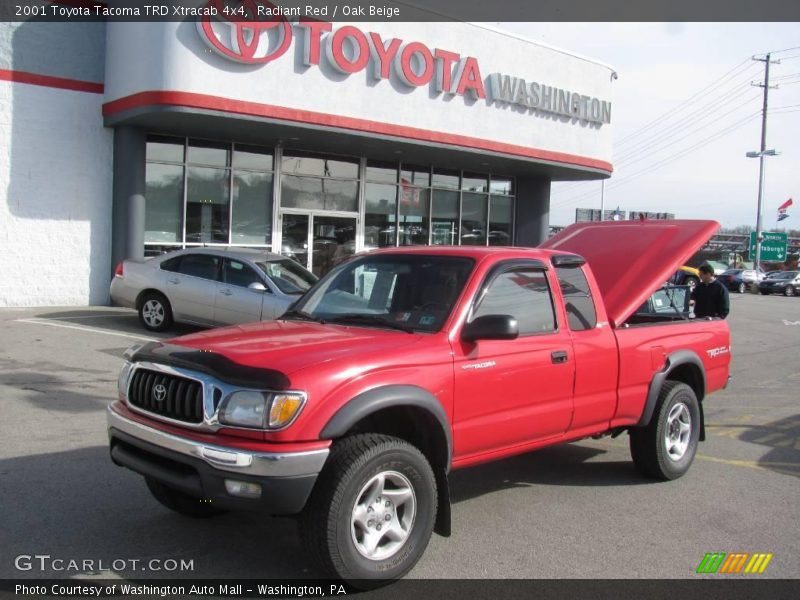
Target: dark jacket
<point>711,300</point>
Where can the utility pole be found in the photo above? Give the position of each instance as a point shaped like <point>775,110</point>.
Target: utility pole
<point>761,154</point>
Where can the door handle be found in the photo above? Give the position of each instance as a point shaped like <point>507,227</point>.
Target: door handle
<point>174,281</point>
<point>559,356</point>
<point>226,292</point>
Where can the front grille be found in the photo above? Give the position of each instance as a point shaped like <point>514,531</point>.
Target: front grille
<point>167,395</point>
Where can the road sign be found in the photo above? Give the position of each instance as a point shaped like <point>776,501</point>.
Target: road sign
<point>773,246</point>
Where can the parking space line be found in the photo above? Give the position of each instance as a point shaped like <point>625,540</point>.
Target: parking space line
<point>114,316</point>
<point>36,321</point>
<point>782,467</point>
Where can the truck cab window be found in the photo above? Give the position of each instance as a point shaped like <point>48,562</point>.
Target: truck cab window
<point>524,294</point>
<point>581,312</point>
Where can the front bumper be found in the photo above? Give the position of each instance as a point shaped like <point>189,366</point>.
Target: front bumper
<point>200,469</point>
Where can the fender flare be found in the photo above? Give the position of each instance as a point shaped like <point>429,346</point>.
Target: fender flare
<point>390,396</point>
<point>674,360</point>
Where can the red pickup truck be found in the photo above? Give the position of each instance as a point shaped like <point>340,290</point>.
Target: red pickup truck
<point>402,364</point>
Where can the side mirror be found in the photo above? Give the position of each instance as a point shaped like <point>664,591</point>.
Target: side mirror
<point>491,327</point>
<point>257,286</point>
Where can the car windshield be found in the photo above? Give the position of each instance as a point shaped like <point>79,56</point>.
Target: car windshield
<point>732,272</point>
<point>402,291</point>
<point>290,277</point>
<point>785,275</point>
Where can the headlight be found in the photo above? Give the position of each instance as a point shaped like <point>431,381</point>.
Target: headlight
<point>261,410</point>
<point>124,378</point>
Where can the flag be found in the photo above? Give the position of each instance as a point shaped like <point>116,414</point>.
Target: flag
<point>783,210</point>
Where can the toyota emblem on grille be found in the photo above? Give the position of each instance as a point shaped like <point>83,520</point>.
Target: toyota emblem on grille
<point>159,392</point>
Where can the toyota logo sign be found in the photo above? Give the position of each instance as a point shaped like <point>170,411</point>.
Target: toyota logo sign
<point>246,38</point>
<point>159,392</point>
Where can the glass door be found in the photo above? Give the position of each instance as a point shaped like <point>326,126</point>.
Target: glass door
<point>330,238</point>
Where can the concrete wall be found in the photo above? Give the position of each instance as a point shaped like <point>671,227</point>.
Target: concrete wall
<point>55,169</point>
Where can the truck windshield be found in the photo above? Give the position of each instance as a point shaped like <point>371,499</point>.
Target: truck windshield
<point>402,291</point>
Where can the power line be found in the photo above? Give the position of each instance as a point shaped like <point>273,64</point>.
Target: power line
<point>623,158</point>
<point>784,50</point>
<point>716,83</point>
<point>650,168</point>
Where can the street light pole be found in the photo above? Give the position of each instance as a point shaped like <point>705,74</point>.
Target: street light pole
<point>602,197</point>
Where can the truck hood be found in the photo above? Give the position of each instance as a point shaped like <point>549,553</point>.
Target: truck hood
<point>288,346</point>
<point>632,259</point>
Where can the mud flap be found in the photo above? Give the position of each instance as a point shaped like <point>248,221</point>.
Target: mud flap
<point>442,525</point>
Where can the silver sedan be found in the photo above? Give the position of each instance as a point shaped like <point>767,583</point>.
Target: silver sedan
<point>209,287</point>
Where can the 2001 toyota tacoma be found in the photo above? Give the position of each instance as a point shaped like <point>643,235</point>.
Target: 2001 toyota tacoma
<point>402,364</point>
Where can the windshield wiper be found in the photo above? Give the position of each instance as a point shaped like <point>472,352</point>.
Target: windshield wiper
<point>370,320</point>
<point>300,315</point>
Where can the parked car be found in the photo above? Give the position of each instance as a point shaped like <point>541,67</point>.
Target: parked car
<point>733,280</point>
<point>785,282</point>
<point>686,276</point>
<point>209,287</point>
<point>403,364</point>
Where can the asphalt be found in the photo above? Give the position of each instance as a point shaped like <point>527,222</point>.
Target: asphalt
<point>573,511</point>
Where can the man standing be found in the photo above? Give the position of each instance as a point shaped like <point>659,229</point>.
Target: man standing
<point>710,297</point>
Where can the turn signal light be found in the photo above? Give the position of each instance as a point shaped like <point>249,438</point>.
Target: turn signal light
<point>120,270</point>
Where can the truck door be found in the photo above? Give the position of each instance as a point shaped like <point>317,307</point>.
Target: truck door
<point>594,346</point>
<point>510,392</point>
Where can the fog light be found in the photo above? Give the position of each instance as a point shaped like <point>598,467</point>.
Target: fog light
<point>242,488</point>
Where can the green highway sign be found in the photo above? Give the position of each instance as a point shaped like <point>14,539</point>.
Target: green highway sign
<point>773,246</point>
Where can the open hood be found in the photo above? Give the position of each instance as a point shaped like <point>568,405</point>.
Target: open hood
<point>632,259</point>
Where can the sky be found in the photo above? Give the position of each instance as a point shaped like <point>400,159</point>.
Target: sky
<point>697,76</point>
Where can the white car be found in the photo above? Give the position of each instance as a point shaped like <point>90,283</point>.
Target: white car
<point>209,287</point>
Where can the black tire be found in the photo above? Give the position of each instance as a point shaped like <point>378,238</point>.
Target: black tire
<point>155,312</point>
<point>182,503</point>
<point>650,447</point>
<point>789,291</point>
<point>327,525</point>
<point>691,282</point>
<point>742,287</point>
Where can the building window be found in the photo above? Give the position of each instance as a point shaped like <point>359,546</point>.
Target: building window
<point>444,218</point>
<point>319,182</point>
<point>474,209</point>
<point>227,190</point>
<point>414,215</point>
<point>501,219</point>
<point>380,215</point>
<point>163,204</point>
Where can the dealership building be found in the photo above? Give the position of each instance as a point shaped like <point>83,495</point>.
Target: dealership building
<point>308,138</point>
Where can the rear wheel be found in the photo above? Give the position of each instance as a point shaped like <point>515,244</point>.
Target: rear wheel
<point>665,448</point>
<point>180,502</point>
<point>789,291</point>
<point>372,511</point>
<point>692,282</point>
<point>742,287</point>
<point>155,313</point>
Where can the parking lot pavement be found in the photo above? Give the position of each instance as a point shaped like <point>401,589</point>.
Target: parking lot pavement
<point>574,511</point>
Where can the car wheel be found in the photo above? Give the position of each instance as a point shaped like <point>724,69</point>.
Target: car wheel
<point>665,448</point>
<point>742,287</point>
<point>789,291</point>
<point>372,511</point>
<point>692,283</point>
<point>181,502</point>
<point>155,312</point>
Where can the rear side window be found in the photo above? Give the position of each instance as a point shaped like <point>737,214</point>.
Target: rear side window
<point>172,264</point>
<point>581,312</point>
<point>204,266</point>
<point>524,294</point>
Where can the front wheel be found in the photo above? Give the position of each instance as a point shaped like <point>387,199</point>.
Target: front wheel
<point>742,287</point>
<point>665,448</point>
<point>372,511</point>
<point>155,312</point>
<point>789,291</point>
